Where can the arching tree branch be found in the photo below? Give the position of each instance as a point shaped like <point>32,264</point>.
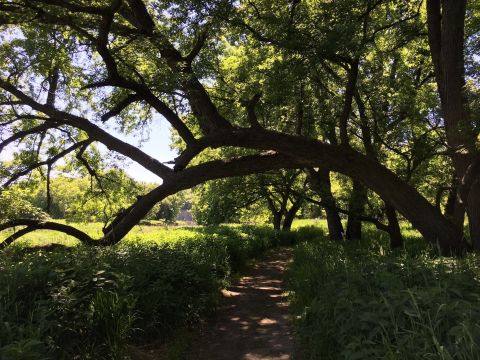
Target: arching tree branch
<point>19,135</point>
<point>48,162</point>
<point>32,225</point>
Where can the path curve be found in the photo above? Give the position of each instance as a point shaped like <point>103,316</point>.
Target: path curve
<point>254,322</point>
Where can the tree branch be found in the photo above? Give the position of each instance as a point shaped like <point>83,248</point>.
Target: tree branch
<point>347,102</point>
<point>195,175</point>
<point>49,161</point>
<point>198,45</point>
<point>143,20</point>
<point>379,225</point>
<point>95,133</point>
<point>251,114</point>
<point>75,7</point>
<point>118,108</point>
<point>21,134</point>
<point>33,224</point>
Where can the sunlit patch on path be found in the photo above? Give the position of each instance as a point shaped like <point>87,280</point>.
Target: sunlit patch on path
<point>253,323</point>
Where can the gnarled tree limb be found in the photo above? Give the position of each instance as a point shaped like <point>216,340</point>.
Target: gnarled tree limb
<point>33,224</point>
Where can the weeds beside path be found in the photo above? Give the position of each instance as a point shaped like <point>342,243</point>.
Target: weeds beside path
<point>253,322</point>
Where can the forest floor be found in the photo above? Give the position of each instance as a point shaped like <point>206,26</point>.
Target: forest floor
<point>253,322</point>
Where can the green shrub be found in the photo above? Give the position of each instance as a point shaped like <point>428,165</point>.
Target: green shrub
<point>359,302</point>
<point>90,303</point>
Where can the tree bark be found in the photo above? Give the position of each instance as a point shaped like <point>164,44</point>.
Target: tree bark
<point>446,23</point>
<point>473,210</point>
<point>291,213</point>
<point>33,224</point>
<point>48,206</point>
<point>277,220</point>
<point>454,208</point>
<point>320,181</point>
<point>304,152</point>
<point>396,238</point>
<point>277,214</point>
<point>352,75</point>
<point>356,206</point>
<point>451,201</point>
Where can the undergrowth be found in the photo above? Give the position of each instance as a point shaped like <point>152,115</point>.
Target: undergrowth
<point>93,303</point>
<point>359,301</point>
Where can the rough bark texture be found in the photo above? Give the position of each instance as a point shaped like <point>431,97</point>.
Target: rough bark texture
<point>396,239</point>
<point>356,205</point>
<point>446,22</point>
<point>320,181</point>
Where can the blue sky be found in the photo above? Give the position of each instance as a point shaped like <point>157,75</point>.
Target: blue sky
<point>157,146</point>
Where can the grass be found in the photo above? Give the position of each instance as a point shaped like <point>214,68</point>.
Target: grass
<point>151,231</point>
<point>147,232</point>
<point>359,300</point>
<point>355,300</point>
<point>77,302</point>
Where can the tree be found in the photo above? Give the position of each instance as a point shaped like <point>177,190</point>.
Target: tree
<point>281,193</point>
<point>82,199</point>
<point>221,201</point>
<point>446,27</point>
<point>73,67</point>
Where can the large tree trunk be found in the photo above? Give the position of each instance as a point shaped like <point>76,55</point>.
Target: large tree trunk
<point>446,23</point>
<point>277,214</point>
<point>291,213</point>
<point>356,206</point>
<point>473,210</point>
<point>320,181</point>
<point>277,220</point>
<point>454,208</point>
<point>451,202</point>
<point>396,239</point>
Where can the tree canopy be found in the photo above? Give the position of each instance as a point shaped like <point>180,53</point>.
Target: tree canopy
<point>381,91</point>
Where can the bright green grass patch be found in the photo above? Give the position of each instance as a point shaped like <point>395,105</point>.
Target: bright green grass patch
<point>148,232</point>
<point>152,231</point>
<point>361,301</point>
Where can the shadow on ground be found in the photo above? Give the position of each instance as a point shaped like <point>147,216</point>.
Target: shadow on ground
<point>253,323</point>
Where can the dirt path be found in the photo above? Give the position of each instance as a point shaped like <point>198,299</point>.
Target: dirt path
<point>253,323</point>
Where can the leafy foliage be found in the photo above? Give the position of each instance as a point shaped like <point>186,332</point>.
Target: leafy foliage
<point>83,199</point>
<point>356,302</point>
<point>15,204</point>
<point>168,209</point>
<point>90,303</point>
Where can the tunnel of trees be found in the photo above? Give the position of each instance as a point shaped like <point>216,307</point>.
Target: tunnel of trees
<point>289,93</point>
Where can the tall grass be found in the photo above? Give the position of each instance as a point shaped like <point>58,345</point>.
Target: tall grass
<point>91,303</point>
<point>360,301</point>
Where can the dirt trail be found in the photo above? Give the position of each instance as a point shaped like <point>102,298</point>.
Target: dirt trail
<point>253,323</point>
